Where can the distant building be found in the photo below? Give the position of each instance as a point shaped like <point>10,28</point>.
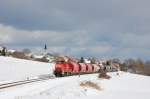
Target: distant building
<point>112,67</point>
<point>87,60</point>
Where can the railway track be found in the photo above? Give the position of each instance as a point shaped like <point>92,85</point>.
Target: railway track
<point>22,82</point>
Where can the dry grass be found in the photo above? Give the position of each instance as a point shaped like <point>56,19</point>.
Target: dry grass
<point>91,85</point>
<point>104,75</point>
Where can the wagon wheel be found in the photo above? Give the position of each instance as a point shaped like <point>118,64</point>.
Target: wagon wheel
<point>65,74</point>
<point>69,73</point>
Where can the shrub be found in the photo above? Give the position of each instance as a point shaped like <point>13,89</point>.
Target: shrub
<point>103,75</point>
<point>90,84</point>
<point>44,59</point>
<point>20,55</point>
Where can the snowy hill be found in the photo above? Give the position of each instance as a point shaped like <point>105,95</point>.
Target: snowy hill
<point>124,86</point>
<point>17,69</point>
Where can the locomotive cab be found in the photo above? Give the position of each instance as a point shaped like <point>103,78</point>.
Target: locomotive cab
<point>63,69</point>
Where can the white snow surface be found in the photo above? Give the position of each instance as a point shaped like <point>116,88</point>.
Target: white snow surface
<point>122,86</point>
<point>19,69</point>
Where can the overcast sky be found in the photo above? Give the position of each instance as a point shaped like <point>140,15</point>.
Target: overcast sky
<point>100,28</point>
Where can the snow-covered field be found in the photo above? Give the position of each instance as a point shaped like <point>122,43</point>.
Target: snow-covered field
<point>18,69</point>
<point>123,86</point>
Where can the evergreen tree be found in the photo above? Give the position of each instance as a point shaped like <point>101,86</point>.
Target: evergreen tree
<point>4,51</point>
<point>82,60</point>
<point>93,60</point>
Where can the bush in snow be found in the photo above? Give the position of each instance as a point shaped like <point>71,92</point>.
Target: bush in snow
<point>20,55</point>
<point>103,74</point>
<point>90,84</point>
<point>43,59</point>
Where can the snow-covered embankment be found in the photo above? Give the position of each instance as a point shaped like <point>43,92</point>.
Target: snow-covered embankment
<point>18,69</point>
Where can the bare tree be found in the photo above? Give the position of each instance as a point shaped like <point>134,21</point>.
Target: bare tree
<point>27,51</point>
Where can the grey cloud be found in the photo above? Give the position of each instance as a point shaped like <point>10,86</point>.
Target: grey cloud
<point>68,15</point>
<point>76,25</point>
<point>76,43</point>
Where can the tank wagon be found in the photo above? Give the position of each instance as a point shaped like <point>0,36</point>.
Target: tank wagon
<point>73,68</point>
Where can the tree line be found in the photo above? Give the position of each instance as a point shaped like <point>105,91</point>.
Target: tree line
<point>136,66</point>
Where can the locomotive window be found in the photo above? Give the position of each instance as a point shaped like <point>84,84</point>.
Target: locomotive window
<point>59,62</point>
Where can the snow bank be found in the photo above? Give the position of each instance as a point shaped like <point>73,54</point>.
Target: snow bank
<point>17,69</point>
<point>124,86</point>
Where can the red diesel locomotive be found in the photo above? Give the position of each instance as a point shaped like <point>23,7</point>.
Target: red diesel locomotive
<point>72,68</point>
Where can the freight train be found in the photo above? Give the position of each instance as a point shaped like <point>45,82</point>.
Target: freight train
<point>70,67</point>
